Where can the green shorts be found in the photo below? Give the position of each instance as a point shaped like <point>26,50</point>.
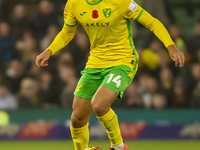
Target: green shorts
<point>116,78</point>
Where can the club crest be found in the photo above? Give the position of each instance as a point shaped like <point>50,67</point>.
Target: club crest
<point>107,12</point>
<point>80,87</point>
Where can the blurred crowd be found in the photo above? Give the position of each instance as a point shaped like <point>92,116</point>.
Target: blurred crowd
<point>158,83</point>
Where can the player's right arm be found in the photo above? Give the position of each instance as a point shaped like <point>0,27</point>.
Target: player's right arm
<point>62,39</point>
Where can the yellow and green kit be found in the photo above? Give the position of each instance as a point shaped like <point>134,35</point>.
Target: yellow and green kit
<point>107,24</point>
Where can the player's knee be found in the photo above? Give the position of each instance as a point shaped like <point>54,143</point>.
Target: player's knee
<point>99,109</point>
<point>77,122</point>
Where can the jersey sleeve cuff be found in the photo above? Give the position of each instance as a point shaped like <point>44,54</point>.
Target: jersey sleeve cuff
<point>168,44</point>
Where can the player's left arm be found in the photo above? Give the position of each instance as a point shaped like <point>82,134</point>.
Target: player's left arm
<point>160,31</point>
<point>132,10</point>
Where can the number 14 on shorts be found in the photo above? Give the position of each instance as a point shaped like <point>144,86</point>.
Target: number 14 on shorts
<point>115,80</point>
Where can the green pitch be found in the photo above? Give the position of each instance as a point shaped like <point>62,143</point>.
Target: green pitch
<point>133,145</point>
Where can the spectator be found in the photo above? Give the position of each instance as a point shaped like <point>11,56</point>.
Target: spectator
<point>150,56</point>
<point>14,75</point>
<point>132,97</point>
<point>7,100</point>
<point>151,89</point>
<point>159,101</point>
<point>148,86</point>
<point>178,96</point>
<point>7,43</point>
<point>30,45</point>
<point>26,46</point>
<point>19,20</point>
<point>28,96</point>
<point>194,79</point>
<point>166,81</point>
<point>142,83</point>
<point>177,37</point>
<point>65,58</point>
<point>45,17</point>
<point>154,57</point>
<point>194,43</point>
<point>31,68</point>
<point>50,89</point>
<point>68,76</point>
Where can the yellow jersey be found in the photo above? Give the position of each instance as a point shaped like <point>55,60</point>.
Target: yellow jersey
<point>107,24</point>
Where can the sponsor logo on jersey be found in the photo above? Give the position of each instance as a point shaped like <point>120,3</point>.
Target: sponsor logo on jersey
<point>95,14</point>
<point>97,24</point>
<point>107,12</point>
<point>133,6</point>
<point>83,13</point>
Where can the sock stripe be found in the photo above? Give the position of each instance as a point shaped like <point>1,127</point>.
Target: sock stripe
<point>112,118</point>
<point>108,128</point>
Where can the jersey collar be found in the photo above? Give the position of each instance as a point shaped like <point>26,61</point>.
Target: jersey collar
<point>93,2</point>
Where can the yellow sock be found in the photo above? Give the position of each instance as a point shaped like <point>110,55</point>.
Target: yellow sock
<point>110,122</point>
<point>80,137</point>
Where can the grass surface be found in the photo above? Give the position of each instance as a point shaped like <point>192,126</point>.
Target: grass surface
<point>133,145</point>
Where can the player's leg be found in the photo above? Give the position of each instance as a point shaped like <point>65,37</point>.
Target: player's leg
<point>115,82</point>
<point>82,111</point>
<point>85,90</point>
<point>101,103</point>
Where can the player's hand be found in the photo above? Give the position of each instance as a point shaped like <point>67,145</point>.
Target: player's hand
<point>41,60</point>
<point>176,55</point>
